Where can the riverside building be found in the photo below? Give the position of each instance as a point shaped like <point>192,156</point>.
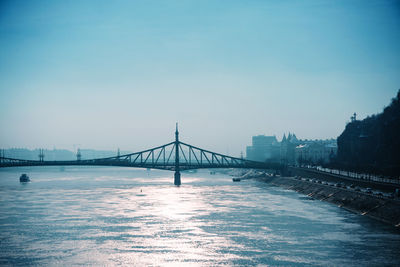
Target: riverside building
<point>291,150</point>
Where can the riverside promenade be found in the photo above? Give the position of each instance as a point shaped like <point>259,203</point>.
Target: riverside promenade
<point>382,184</point>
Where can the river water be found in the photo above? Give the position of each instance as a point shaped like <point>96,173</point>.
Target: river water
<point>103,216</point>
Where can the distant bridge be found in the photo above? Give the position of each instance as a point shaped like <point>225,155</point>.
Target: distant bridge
<point>175,156</point>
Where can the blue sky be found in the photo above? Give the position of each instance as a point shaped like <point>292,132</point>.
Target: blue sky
<point>103,74</point>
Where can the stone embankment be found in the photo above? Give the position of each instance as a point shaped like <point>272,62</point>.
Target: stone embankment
<point>311,173</point>
<point>380,208</point>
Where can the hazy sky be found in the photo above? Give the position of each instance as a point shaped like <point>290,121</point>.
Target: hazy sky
<point>108,74</point>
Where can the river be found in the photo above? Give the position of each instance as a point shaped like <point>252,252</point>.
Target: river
<point>103,216</point>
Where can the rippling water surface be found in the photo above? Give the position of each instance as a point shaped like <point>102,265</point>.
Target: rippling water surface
<point>120,216</point>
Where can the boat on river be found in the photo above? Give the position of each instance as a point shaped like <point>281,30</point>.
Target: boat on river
<point>24,178</point>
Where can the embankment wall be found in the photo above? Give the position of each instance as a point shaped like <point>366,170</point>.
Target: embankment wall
<point>311,173</point>
<point>379,208</point>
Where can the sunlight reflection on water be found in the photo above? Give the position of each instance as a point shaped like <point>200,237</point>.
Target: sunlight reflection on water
<point>134,217</point>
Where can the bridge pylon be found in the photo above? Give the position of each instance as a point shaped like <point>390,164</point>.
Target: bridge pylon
<point>177,175</point>
<point>41,155</point>
<point>78,155</point>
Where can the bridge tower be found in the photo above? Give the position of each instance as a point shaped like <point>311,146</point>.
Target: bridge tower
<point>177,176</point>
<point>41,154</point>
<point>78,155</point>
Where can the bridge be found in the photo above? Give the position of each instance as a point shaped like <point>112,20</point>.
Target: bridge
<point>175,156</point>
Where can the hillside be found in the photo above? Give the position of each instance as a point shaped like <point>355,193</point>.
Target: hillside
<point>373,144</point>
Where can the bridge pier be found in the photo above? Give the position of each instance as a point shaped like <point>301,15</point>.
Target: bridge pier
<point>177,180</point>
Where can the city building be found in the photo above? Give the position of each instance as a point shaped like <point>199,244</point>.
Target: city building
<point>291,150</point>
<point>287,149</point>
<point>315,152</point>
<point>263,148</point>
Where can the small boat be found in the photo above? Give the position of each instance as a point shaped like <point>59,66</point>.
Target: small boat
<point>24,178</point>
<point>236,179</point>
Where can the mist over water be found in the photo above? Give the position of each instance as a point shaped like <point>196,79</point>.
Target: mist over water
<point>112,216</point>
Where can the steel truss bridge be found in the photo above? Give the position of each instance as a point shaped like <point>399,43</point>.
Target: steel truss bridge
<point>175,156</point>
